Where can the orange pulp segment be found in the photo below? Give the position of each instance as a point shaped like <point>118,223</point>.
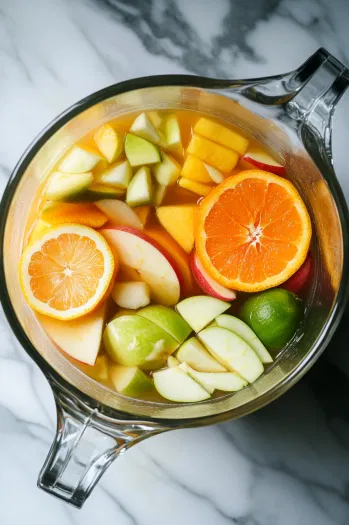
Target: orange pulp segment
<point>84,213</point>
<point>252,231</point>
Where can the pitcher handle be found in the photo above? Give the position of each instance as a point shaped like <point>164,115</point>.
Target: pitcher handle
<point>86,443</point>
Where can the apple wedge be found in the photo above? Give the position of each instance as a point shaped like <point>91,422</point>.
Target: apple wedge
<point>131,295</point>
<point>168,320</point>
<point>200,310</point>
<point>119,213</point>
<point>172,362</point>
<point>130,381</point>
<point>67,187</point>
<point>207,284</point>
<point>132,340</point>
<point>100,370</point>
<point>109,142</point>
<point>155,118</point>
<point>175,385</point>
<point>79,338</point>
<point>263,161</point>
<point>155,266</point>
<point>173,133</point>
<point>195,355</point>
<point>97,192</point>
<point>79,160</point>
<point>232,351</point>
<point>140,152</point>
<point>159,194</point>
<point>118,175</point>
<point>140,189</point>
<point>215,175</point>
<point>301,278</point>
<point>167,171</point>
<point>143,127</point>
<point>241,329</point>
<point>225,381</point>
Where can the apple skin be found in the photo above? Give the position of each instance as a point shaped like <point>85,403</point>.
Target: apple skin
<point>299,280</point>
<point>207,284</point>
<point>272,166</point>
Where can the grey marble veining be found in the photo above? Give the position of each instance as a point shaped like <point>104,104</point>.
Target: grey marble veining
<point>287,464</point>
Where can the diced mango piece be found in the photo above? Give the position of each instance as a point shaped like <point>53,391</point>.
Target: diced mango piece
<point>194,169</point>
<point>224,136</point>
<point>179,223</point>
<point>220,157</point>
<point>84,213</point>
<point>143,213</point>
<point>194,186</point>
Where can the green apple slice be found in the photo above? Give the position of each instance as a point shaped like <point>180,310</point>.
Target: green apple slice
<point>119,175</point>
<point>140,152</point>
<point>211,381</point>
<point>155,118</point>
<point>143,127</point>
<point>79,160</point>
<point>168,320</point>
<point>175,385</point>
<point>132,340</point>
<point>232,351</point>
<point>109,142</point>
<point>172,132</point>
<point>159,194</point>
<point>216,175</point>
<point>200,310</point>
<point>195,354</point>
<point>130,381</point>
<point>172,362</point>
<point>131,295</point>
<point>97,192</point>
<point>67,187</point>
<point>244,331</point>
<point>140,189</point>
<point>167,172</point>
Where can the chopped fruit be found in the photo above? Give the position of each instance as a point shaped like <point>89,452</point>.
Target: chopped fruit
<point>126,274</point>
<point>206,283</point>
<point>274,316</point>
<point>195,354</point>
<point>194,169</point>
<point>167,171</point>
<point>140,152</point>
<point>244,331</point>
<point>155,118</point>
<point>131,295</point>
<point>143,213</point>
<point>79,160</point>
<point>130,381</point>
<point>232,351</point>
<point>143,127</point>
<point>200,310</point>
<point>179,222</point>
<point>140,189</point>
<point>109,142</point>
<point>224,136</point>
<point>84,213</point>
<point>132,340</point>
<point>97,192</point>
<point>172,362</point>
<point>301,278</point>
<point>176,385</point>
<point>38,231</point>
<point>119,213</point>
<point>173,133</point>
<point>80,338</point>
<point>119,175</point>
<point>263,161</point>
<point>216,175</point>
<point>67,187</point>
<point>155,266</point>
<point>100,370</point>
<point>159,194</point>
<point>195,187</point>
<point>214,154</point>
<point>179,255</point>
<point>66,273</point>
<point>253,231</point>
<point>168,320</point>
<point>211,381</point>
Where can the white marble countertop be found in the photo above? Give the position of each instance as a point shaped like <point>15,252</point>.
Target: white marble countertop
<point>285,465</point>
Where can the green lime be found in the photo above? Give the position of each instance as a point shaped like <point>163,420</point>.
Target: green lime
<point>273,315</point>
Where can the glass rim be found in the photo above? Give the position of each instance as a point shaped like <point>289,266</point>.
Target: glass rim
<point>111,91</point>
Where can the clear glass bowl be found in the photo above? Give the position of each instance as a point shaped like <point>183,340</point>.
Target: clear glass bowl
<point>291,115</point>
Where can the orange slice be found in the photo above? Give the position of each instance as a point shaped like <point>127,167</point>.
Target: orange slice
<point>252,231</point>
<point>66,273</point>
<point>74,212</point>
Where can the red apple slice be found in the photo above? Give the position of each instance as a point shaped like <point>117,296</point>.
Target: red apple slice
<point>207,284</point>
<point>299,279</point>
<point>264,161</point>
<point>155,266</point>
<point>119,213</point>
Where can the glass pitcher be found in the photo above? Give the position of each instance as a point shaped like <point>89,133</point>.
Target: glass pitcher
<point>291,115</point>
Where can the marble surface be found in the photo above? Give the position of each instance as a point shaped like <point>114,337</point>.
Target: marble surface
<point>285,465</point>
